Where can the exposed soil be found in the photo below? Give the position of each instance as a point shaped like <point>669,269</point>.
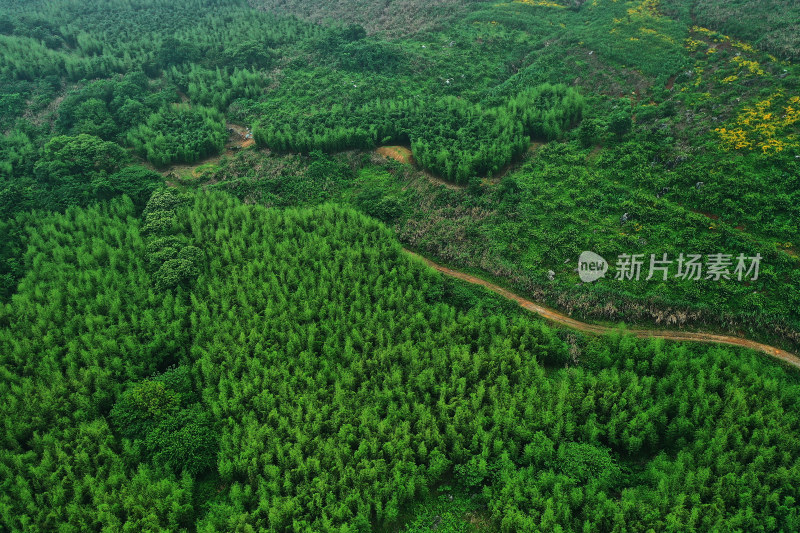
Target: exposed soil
<point>596,329</point>
<point>398,153</point>
<point>591,156</point>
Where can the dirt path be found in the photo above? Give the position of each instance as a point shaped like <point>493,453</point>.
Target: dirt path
<point>564,320</point>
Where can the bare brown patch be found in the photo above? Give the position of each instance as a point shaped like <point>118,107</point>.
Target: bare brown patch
<point>398,153</point>
<point>478,521</point>
<point>535,145</point>
<point>403,155</point>
<point>594,153</point>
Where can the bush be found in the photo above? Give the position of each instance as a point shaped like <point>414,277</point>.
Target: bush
<point>184,442</point>
<point>161,416</point>
<point>175,273</point>
<point>137,182</point>
<point>584,462</point>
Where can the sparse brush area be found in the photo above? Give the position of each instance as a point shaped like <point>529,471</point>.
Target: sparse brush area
<point>771,25</point>
<point>207,322</point>
<point>390,18</point>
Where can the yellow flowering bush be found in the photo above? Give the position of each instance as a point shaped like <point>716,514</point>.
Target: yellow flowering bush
<point>693,44</point>
<point>722,38</point>
<point>767,126</point>
<point>645,9</point>
<point>752,66</point>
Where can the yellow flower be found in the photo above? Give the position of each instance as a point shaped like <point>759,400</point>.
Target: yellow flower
<point>762,126</point>
<point>751,66</point>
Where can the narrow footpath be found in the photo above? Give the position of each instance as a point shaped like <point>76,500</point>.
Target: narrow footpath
<point>564,320</point>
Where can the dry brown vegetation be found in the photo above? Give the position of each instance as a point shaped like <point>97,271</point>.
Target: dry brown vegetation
<point>393,18</point>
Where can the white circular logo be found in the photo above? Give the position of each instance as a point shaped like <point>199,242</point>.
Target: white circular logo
<point>591,267</point>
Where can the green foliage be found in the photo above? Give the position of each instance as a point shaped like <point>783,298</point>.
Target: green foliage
<point>353,19</point>
<point>106,108</point>
<point>620,123</point>
<point>220,87</point>
<point>136,182</point>
<point>76,170</point>
<point>178,271</point>
<point>179,134</point>
<point>324,380</point>
<point>585,462</point>
<point>184,442</point>
<point>327,383</point>
<point>377,204</point>
<point>17,152</point>
<point>589,131</point>
<point>447,511</point>
<point>137,412</point>
<point>565,200</point>
<point>71,161</point>
<point>452,137</point>
<point>12,235</point>
<point>173,263</point>
<point>160,417</point>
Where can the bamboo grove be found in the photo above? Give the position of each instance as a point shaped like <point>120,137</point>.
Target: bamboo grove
<point>197,334</point>
<point>451,137</point>
<point>220,366</point>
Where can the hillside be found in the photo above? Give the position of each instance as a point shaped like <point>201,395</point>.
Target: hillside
<point>208,321</point>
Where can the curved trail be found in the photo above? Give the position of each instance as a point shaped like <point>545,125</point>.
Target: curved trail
<point>564,320</point>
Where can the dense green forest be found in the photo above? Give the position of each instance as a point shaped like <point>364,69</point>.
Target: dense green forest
<point>449,136</point>
<point>221,366</point>
<point>207,322</point>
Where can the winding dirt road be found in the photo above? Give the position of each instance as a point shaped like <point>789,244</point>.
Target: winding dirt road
<point>564,320</point>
